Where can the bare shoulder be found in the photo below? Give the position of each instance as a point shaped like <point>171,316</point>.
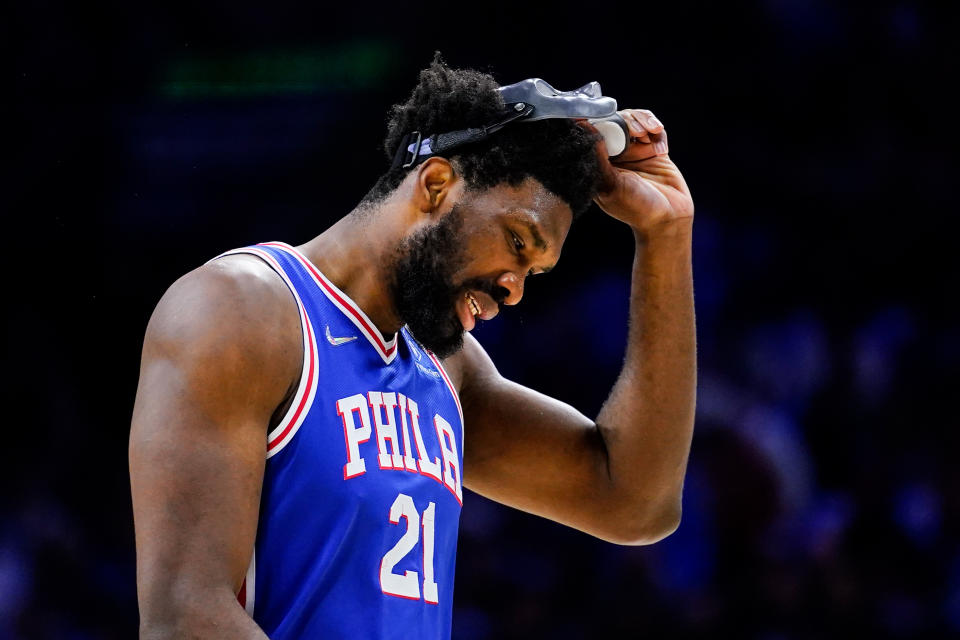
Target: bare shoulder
<point>235,310</point>
<point>470,366</point>
<point>221,353</point>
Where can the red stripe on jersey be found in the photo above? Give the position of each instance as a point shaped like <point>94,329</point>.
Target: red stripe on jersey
<point>306,394</point>
<point>456,397</point>
<point>333,293</point>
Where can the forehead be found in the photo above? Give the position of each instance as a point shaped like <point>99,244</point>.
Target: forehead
<point>530,202</point>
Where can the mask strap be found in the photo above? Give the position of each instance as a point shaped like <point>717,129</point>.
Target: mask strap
<point>414,147</point>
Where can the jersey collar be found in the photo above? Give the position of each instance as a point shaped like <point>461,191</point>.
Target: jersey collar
<point>387,349</point>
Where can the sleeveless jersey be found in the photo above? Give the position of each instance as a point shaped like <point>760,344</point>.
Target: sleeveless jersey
<point>362,491</point>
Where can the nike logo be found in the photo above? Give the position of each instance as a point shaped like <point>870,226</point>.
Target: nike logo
<point>338,341</point>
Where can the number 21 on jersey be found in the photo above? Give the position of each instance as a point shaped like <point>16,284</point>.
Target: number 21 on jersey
<point>407,585</point>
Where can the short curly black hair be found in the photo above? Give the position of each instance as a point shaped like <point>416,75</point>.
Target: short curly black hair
<point>556,152</point>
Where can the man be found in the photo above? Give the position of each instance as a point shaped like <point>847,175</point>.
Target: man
<point>307,417</point>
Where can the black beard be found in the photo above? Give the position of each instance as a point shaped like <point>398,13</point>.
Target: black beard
<point>423,291</point>
<point>422,288</point>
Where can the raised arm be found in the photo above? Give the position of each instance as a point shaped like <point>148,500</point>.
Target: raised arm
<point>620,476</point>
<point>221,353</point>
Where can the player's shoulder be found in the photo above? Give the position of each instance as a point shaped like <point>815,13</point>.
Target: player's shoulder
<point>470,365</point>
<point>235,303</point>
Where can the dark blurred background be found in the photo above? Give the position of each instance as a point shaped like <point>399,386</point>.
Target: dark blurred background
<point>823,498</point>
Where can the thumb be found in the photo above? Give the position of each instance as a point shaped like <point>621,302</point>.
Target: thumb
<point>608,173</point>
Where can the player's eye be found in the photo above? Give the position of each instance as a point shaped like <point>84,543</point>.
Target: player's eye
<point>517,241</point>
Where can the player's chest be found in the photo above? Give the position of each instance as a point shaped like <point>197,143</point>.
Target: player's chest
<point>391,430</point>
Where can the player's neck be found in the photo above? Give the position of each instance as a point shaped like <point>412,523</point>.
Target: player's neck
<point>356,253</point>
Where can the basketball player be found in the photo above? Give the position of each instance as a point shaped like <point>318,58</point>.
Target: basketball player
<point>308,417</point>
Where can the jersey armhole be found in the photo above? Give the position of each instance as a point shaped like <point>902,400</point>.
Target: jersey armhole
<point>288,426</point>
<point>453,392</point>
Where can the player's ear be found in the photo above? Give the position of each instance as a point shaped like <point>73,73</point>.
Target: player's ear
<point>436,180</point>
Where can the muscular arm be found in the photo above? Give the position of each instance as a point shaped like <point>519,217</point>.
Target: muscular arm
<point>220,354</point>
<point>620,476</point>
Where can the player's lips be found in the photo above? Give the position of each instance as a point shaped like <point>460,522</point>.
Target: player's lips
<point>473,305</point>
<point>487,308</point>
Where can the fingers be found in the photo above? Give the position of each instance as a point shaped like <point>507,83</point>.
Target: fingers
<point>646,118</point>
<point>638,133</point>
<point>648,138</point>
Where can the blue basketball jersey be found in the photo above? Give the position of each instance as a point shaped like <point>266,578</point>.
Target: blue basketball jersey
<point>361,499</point>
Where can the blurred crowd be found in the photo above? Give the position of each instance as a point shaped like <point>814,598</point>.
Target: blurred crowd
<point>822,497</point>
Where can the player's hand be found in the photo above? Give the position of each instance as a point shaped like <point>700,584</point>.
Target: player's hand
<point>642,187</point>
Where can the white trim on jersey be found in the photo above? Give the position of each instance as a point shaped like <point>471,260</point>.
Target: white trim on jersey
<point>251,582</point>
<point>453,392</point>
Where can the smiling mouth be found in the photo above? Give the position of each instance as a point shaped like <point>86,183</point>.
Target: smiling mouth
<point>475,307</point>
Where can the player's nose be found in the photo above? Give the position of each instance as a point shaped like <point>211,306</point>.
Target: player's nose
<point>512,283</point>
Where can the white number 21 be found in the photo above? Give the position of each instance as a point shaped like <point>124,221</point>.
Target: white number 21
<point>408,584</point>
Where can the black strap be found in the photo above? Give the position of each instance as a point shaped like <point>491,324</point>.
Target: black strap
<point>441,143</point>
